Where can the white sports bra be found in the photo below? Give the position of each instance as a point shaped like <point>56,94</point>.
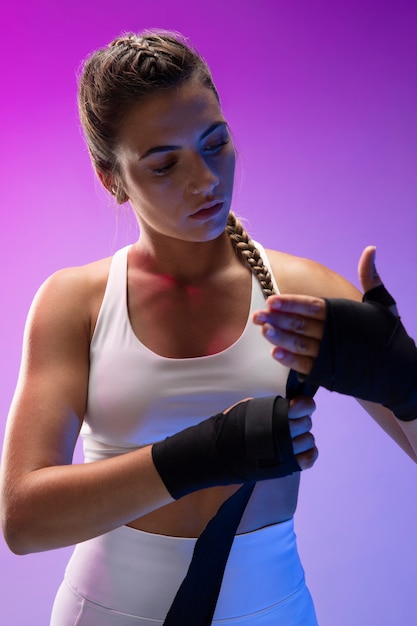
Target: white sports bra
<point>137,397</point>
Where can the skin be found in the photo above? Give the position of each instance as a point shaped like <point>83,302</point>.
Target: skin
<point>294,326</point>
<point>202,306</point>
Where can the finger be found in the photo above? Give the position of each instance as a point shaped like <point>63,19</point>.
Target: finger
<point>300,426</point>
<point>368,274</point>
<point>307,459</point>
<point>308,306</point>
<point>301,406</point>
<point>297,324</point>
<point>367,271</point>
<point>291,342</point>
<point>301,363</point>
<point>303,443</point>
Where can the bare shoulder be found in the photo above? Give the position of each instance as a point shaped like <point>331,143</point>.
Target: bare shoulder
<point>72,295</point>
<point>299,275</point>
<point>76,282</point>
<point>51,392</point>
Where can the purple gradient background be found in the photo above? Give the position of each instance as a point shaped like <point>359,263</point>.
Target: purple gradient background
<point>322,99</point>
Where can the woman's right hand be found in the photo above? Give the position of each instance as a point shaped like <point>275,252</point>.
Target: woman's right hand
<point>300,410</point>
<point>254,440</point>
<point>300,423</point>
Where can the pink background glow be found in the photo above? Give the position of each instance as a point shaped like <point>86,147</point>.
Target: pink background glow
<point>322,99</point>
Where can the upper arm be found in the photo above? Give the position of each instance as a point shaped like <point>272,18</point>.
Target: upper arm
<point>297,275</point>
<point>50,397</point>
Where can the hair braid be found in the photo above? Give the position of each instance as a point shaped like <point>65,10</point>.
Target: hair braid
<point>249,254</point>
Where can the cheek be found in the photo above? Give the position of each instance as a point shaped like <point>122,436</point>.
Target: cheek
<point>231,158</point>
<point>223,164</point>
<point>128,178</point>
<point>142,189</point>
<point>163,197</point>
<point>230,166</point>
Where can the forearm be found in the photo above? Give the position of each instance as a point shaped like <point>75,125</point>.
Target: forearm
<point>58,506</point>
<point>410,431</point>
<point>403,433</point>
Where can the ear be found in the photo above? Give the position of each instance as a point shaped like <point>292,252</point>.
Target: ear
<point>107,181</point>
<point>113,186</point>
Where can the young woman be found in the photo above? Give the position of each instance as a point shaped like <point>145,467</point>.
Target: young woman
<point>138,351</point>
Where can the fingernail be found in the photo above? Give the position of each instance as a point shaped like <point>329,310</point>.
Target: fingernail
<point>276,304</point>
<point>375,274</point>
<point>315,307</point>
<point>269,331</point>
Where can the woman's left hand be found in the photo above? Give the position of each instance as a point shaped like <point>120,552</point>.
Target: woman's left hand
<point>294,324</point>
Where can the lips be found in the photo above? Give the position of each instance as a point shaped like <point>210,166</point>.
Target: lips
<point>208,210</point>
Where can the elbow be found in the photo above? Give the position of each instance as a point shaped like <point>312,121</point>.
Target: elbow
<point>17,532</point>
<point>16,540</point>
<point>17,547</point>
<point>20,524</point>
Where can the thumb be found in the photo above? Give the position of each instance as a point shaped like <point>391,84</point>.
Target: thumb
<point>368,274</point>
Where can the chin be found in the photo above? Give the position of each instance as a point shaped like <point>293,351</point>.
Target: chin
<point>210,233</point>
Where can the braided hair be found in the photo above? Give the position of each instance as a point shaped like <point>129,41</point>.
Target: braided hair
<point>249,254</point>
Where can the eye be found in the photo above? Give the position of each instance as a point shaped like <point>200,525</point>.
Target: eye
<point>163,169</point>
<point>216,146</point>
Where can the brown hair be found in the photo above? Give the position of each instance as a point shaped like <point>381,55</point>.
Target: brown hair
<point>116,77</point>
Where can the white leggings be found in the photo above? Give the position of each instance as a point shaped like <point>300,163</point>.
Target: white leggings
<point>129,578</point>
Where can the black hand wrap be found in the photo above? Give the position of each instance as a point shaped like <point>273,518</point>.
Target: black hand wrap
<point>366,353</point>
<point>249,443</point>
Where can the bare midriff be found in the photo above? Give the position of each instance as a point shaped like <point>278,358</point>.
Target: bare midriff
<point>272,502</point>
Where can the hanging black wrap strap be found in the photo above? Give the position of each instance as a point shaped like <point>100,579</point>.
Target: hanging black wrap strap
<point>196,598</point>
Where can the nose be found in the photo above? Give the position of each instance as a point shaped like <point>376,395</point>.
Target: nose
<point>203,178</point>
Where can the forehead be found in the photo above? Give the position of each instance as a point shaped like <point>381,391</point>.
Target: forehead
<point>172,116</point>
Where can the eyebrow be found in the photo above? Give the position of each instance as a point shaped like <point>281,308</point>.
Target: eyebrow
<point>169,148</point>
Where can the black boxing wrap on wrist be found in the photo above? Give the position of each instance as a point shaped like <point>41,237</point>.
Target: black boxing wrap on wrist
<point>250,442</point>
<point>366,352</point>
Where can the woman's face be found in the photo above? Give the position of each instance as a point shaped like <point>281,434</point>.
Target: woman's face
<point>177,163</point>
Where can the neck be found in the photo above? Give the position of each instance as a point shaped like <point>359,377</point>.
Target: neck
<point>184,261</point>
